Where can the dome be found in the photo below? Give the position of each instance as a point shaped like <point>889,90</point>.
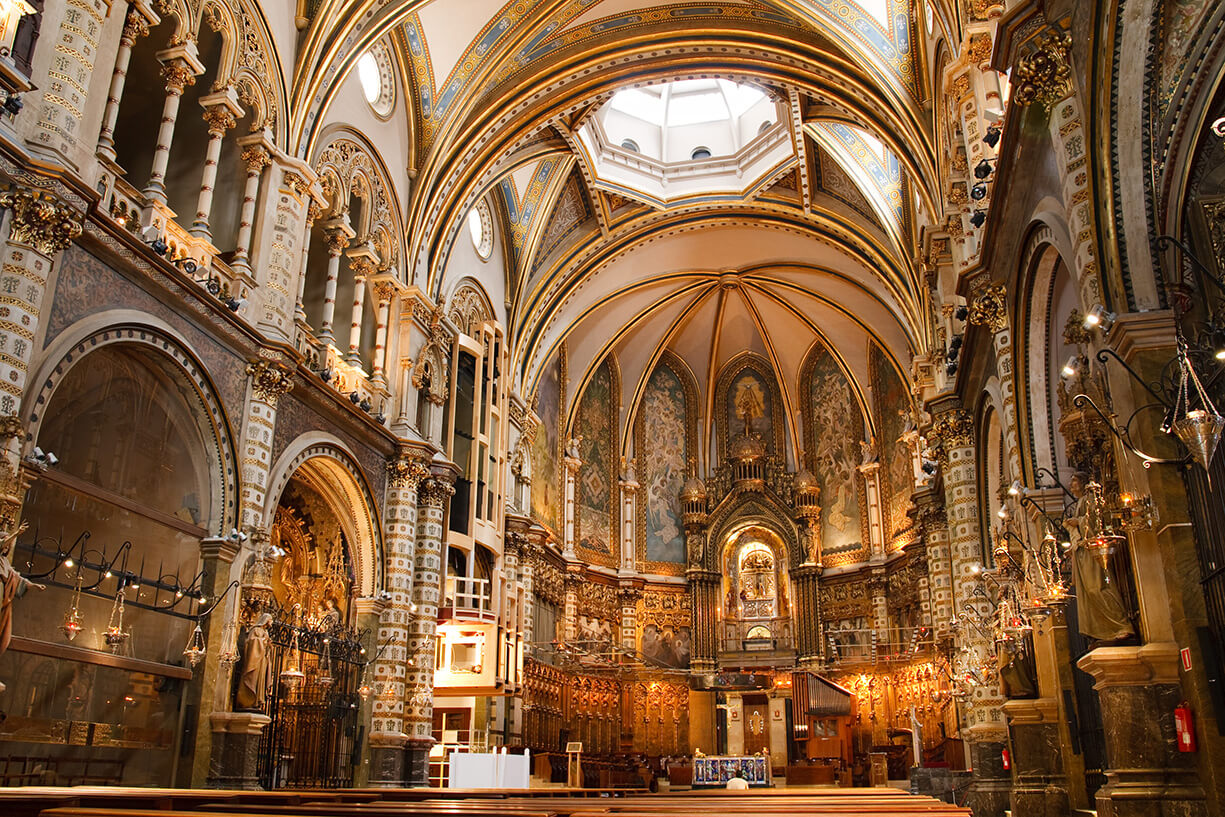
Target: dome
<point>746,447</point>
<point>805,483</point>
<point>694,489</point>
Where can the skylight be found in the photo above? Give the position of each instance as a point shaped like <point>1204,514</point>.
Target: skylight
<point>687,102</point>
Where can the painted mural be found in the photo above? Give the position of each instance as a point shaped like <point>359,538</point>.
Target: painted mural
<point>835,430</point>
<point>666,646</point>
<point>546,488</point>
<point>662,461</point>
<point>596,424</point>
<point>750,403</point>
<point>893,412</point>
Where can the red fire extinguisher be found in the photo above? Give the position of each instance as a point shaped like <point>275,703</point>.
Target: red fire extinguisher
<point>1006,757</point>
<point>1184,727</point>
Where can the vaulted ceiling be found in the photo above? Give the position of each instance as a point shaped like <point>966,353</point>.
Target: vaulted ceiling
<point>822,247</point>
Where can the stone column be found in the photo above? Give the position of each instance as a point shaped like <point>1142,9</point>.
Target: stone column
<point>337,235</point>
<point>878,584</point>
<point>384,291</point>
<point>933,527</point>
<point>66,89</point>
<point>629,593</point>
<point>1147,776</point>
<point>387,734</point>
<point>180,67</point>
<point>221,113</point>
<point>39,228</point>
<point>312,215</point>
<point>629,520</point>
<point>574,583</point>
<point>362,261</point>
<point>989,309</point>
<point>572,466</point>
<point>270,381</point>
<point>255,157</point>
<point>809,649</point>
<point>234,759</point>
<point>876,519</point>
<point>433,495</point>
<point>983,724</point>
<point>135,26</point>
<point>1039,783</point>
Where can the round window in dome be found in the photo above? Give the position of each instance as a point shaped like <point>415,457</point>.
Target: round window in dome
<point>378,84</point>
<point>630,145</point>
<point>480,229</point>
<point>700,153</point>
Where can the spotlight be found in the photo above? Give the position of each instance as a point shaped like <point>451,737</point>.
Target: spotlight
<point>979,191</point>
<point>159,245</point>
<point>13,104</point>
<point>951,368</point>
<point>188,265</point>
<point>1016,488</point>
<point>234,304</point>
<point>992,136</point>
<point>1220,353</point>
<point>68,562</point>
<point>1071,367</point>
<point>212,285</point>
<point>1002,513</point>
<point>38,453</point>
<point>962,312</point>
<point>365,405</point>
<point>955,343</point>
<point>929,466</point>
<point>380,418</point>
<point>325,375</point>
<point>1099,318</point>
<point>354,398</point>
<point>52,459</point>
<point>979,217</point>
<point>983,169</point>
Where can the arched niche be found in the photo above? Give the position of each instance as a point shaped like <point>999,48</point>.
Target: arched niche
<point>756,602</point>
<point>329,469</point>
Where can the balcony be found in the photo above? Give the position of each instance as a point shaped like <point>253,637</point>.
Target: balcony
<point>467,599</point>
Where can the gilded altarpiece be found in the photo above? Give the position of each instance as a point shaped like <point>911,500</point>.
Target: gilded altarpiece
<point>665,434</point>
<point>596,500</point>
<point>834,428</point>
<point>665,627</point>
<point>892,406</point>
<point>546,448</point>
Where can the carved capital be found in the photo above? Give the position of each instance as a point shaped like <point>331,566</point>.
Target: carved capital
<point>219,119</point>
<point>362,266</point>
<point>256,158</point>
<point>134,27</point>
<point>11,427</point>
<point>40,221</point>
<point>178,75</point>
<point>406,472</point>
<point>269,381</point>
<point>990,309</point>
<point>336,241</point>
<point>952,429</point>
<point>1044,75</point>
<point>434,493</point>
<point>296,183</point>
<point>384,292</point>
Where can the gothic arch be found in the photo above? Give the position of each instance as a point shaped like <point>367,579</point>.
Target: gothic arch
<point>349,160</point>
<point>469,307</point>
<point>137,329</point>
<point>738,364</point>
<point>330,467</point>
<point>751,509</point>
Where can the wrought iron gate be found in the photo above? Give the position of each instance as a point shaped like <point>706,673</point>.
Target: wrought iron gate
<point>313,739</point>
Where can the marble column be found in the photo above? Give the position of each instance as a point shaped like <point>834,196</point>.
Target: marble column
<point>878,585</point>
<point>312,215</point>
<point>384,291</point>
<point>433,496</point>
<point>983,726</point>
<point>39,228</point>
<point>629,519</point>
<point>1039,782</point>
<point>255,157</point>
<point>574,580</point>
<point>876,519</point>
<point>387,733</point>
<point>135,26</point>
<point>572,465</point>
<point>221,113</point>
<point>269,382</point>
<point>354,355</point>
<point>1147,776</point>
<point>180,67</point>
<point>337,235</point>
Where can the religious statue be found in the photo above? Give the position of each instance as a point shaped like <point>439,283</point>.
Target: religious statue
<point>750,404</point>
<point>572,447</point>
<point>255,673</point>
<point>867,450</point>
<point>1099,606</point>
<point>12,586</point>
<point>696,548</point>
<point>631,469</point>
<point>329,616</point>
<point>811,537</point>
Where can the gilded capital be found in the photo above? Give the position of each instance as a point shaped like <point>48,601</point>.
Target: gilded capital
<point>383,292</point>
<point>296,182</point>
<point>1044,75</point>
<point>177,76</point>
<point>406,472</point>
<point>336,241</point>
<point>952,429</point>
<point>269,381</point>
<point>434,493</point>
<point>134,27</point>
<point>40,221</point>
<point>11,427</point>
<point>256,158</point>
<point>990,309</point>
<point>219,119</point>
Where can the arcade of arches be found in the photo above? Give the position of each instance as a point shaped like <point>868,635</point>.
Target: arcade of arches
<point>834,382</point>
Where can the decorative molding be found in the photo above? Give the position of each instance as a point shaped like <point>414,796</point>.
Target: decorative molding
<point>269,381</point>
<point>1044,76</point>
<point>40,220</point>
